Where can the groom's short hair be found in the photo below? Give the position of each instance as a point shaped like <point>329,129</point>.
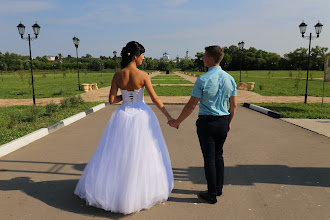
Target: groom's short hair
<point>215,52</point>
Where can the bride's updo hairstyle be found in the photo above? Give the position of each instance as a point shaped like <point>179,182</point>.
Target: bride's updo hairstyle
<point>131,49</point>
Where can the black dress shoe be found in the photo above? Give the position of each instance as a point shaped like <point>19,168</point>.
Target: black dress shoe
<point>205,196</point>
<point>219,193</point>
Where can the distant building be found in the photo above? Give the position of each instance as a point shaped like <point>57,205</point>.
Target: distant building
<point>187,55</point>
<point>51,58</point>
<point>166,57</point>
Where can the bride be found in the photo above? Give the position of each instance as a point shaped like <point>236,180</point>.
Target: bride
<point>130,169</point>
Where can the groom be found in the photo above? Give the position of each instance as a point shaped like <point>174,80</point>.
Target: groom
<point>214,90</point>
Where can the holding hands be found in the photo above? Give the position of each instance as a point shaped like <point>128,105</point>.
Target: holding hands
<point>174,123</point>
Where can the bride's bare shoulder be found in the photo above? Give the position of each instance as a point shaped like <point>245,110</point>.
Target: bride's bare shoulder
<point>143,73</point>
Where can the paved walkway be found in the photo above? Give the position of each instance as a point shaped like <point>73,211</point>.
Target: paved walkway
<point>274,170</point>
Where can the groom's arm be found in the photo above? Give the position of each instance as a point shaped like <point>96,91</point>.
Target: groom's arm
<point>186,111</point>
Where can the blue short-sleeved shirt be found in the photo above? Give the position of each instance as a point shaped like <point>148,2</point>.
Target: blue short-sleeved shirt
<point>214,88</point>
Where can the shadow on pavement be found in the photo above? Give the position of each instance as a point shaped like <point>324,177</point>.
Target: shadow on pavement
<point>251,174</point>
<point>59,193</point>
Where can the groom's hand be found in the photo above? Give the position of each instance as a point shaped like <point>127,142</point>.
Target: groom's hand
<point>174,124</point>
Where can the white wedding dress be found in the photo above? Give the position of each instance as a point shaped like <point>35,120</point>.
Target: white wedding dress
<point>131,169</point>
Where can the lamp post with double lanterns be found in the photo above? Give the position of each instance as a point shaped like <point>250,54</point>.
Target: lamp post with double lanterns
<point>76,44</point>
<point>318,29</point>
<point>36,30</point>
<point>240,46</point>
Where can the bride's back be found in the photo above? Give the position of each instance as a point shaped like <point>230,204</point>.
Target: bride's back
<point>130,79</point>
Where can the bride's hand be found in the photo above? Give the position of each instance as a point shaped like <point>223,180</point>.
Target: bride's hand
<point>169,120</point>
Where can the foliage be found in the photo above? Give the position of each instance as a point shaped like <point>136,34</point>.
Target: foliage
<point>51,108</point>
<point>234,58</point>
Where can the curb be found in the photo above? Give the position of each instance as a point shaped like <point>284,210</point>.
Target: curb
<point>29,138</point>
<point>263,110</point>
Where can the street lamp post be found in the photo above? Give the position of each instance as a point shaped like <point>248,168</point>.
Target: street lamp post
<point>318,29</point>
<point>115,59</point>
<point>36,30</point>
<point>240,46</point>
<point>76,44</point>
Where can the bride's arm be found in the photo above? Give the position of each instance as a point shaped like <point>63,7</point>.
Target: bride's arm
<point>113,97</point>
<point>154,97</point>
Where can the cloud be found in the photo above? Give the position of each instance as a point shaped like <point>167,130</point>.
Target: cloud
<point>24,6</point>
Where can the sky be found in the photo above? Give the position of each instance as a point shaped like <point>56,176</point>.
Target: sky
<point>174,26</point>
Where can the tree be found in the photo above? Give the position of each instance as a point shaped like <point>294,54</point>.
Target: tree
<point>199,64</point>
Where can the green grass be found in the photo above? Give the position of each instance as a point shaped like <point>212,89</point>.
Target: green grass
<point>300,110</point>
<point>183,81</point>
<point>287,87</point>
<point>278,83</point>
<point>272,73</point>
<point>167,77</point>
<point>18,86</point>
<point>16,121</point>
<point>171,90</point>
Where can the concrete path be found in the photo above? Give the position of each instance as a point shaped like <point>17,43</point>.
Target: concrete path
<point>320,126</point>
<point>274,170</point>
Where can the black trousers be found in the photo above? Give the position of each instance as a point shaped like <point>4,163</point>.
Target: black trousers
<point>212,133</point>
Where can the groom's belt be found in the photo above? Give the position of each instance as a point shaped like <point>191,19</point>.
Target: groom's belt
<point>211,116</point>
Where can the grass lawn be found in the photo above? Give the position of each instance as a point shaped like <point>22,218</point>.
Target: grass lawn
<point>183,81</point>
<point>272,73</point>
<point>17,121</point>
<point>279,83</point>
<point>300,110</point>
<point>18,86</point>
<point>171,90</point>
<point>167,77</point>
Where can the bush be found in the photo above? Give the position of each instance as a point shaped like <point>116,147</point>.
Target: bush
<point>51,108</point>
<point>13,120</point>
<point>73,101</point>
<point>80,99</point>
<point>65,103</point>
<point>34,114</point>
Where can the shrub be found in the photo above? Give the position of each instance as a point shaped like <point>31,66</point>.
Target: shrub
<point>34,114</point>
<point>74,101</point>
<point>65,103</point>
<point>80,99</point>
<point>13,120</point>
<point>51,108</point>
